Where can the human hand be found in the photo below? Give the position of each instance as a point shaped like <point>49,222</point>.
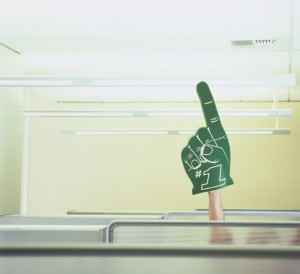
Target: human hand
<point>206,158</point>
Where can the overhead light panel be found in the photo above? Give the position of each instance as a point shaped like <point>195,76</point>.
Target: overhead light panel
<point>231,81</point>
<point>33,82</point>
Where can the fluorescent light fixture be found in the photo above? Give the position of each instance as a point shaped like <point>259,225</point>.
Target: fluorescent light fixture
<point>157,113</point>
<point>123,132</point>
<point>170,131</point>
<point>236,81</point>
<point>34,82</point>
<point>231,81</point>
<point>76,113</point>
<point>245,131</point>
<point>224,113</point>
<point>136,131</point>
<point>263,131</point>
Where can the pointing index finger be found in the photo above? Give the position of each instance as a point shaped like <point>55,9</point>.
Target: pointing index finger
<point>210,111</point>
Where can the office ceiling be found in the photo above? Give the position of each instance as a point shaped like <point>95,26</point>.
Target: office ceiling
<point>154,38</point>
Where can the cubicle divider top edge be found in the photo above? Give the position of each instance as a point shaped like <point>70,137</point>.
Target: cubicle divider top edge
<point>284,213</point>
<point>143,250</point>
<point>188,224</point>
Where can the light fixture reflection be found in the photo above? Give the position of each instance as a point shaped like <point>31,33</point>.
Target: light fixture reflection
<point>171,131</point>
<point>157,113</point>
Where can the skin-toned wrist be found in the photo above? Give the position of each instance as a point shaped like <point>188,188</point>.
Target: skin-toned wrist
<point>216,211</point>
<point>214,193</point>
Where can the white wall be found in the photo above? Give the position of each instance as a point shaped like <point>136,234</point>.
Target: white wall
<point>10,135</point>
<point>103,173</point>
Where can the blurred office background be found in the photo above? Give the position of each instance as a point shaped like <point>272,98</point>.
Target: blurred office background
<point>70,72</point>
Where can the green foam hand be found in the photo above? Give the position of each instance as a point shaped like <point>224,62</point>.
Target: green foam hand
<point>206,158</point>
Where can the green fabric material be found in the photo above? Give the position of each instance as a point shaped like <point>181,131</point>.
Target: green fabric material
<point>206,157</point>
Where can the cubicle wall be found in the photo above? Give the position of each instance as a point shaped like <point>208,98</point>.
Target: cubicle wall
<point>60,229</point>
<point>238,215</point>
<point>199,214</point>
<point>15,234</point>
<point>148,259</point>
<point>170,242</point>
<point>202,233</point>
<point>84,219</point>
<point>278,226</point>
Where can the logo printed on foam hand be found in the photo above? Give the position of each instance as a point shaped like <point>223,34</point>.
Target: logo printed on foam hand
<point>206,158</point>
